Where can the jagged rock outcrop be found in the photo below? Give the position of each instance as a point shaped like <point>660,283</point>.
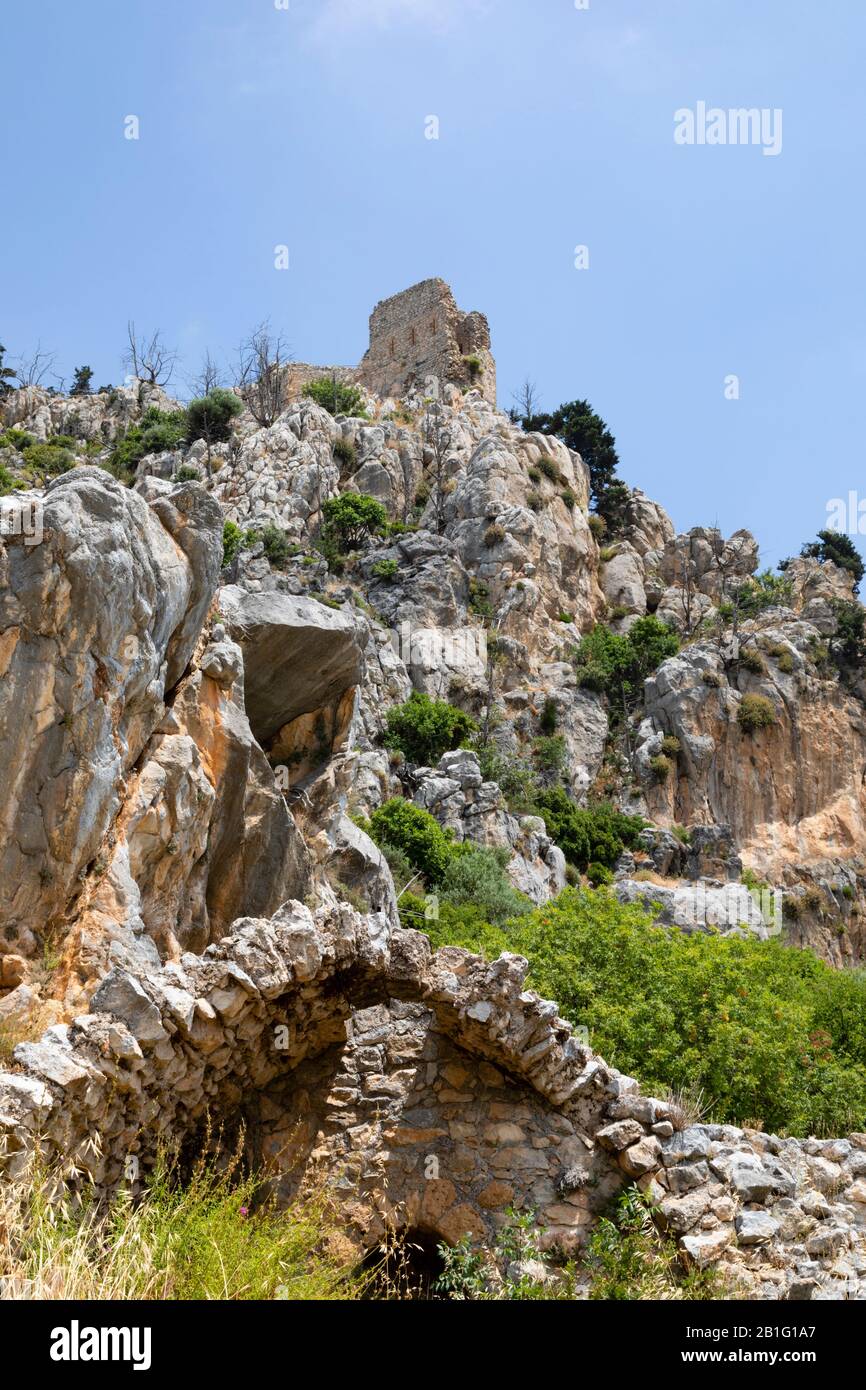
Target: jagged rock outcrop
<point>97,625</point>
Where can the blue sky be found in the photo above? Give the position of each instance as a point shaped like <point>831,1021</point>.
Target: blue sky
<point>306,127</point>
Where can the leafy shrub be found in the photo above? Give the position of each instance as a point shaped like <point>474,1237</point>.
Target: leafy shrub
<point>16,439</point>
<point>63,441</point>
<point>187,474</point>
<point>210,417</point>
<point>752,660</point>
<point>755,712</point>
<point>549,753</point>
<point>156,432</point>
<point>278,548</point>
<point>548,716</point>
<point>479,599</point>
<point>424,729</point>
<point>345,452</point>
<point>352,518</point>
<point>336,397</point>
<point>476,875</point>
<point>769,1032</point>
<point>671,746</point>
<point>515,778</point>
<point>8,482</point>
<point>848,644</point>
<point>563,616</point>
<point>660,768</point>
<point>598,835</point>
<point>618,664</point>
<point>494,535</point>
<point>384,569</point>
<point>48,461</point>
<point>599,874</point>
<point>414,832</point>
<point>234,540</point>
<point>549,468</point>
<point>631,1260</point>
<point>474,366</point>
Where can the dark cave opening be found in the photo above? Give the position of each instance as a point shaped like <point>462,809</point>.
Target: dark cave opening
<point>405,1266</point>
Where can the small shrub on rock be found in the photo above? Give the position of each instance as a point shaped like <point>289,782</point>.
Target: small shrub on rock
<point>424,729</point>
<point>660,768</point>
<point>415,833</point>
<point>755,712</point>
<point>494,535</point>
<point>345,452</point>
<point>336,397</point>
<point>671,746</point>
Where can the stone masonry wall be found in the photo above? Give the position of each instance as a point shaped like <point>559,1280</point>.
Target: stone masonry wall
<point>421,334</point>
<point>210,1036</point>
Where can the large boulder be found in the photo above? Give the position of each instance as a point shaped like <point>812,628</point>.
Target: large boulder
<point>301,662</point>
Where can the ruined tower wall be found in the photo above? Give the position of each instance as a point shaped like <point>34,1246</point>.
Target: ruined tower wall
<point>419,336</point>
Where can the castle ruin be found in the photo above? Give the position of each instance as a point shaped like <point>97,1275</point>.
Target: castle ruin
<point>419,340</point>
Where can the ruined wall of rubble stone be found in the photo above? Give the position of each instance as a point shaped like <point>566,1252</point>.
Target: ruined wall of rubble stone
<point>541,1121</point>
<point>420,336</point>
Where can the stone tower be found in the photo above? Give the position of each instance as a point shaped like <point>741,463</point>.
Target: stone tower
<point>420,336</point>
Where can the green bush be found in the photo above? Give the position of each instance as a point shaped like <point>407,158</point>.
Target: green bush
<point>8,482</point>
<point>839,549</point>
<point>755,712</point>
<point>424,729</point>
<point>848,644</point>
<point>569,499</point>
<point>16,439</point>
<point>671,746</point>
<point>770,1033</point>
<point>535,501</point>
<point>597,835</point>
<point>476,876</point>
<point>660,768</point>
<point>156,432</point>
<point>416,834</point>
<point>494,535</point>
<point>48,461</point>
<point>234,540</point>
<point>352,518</point>
<point>599,875</point>
<point>548,717</point>
<point>549,752</point>
<point>345,452</point>
<point>187,474</point>
<point>752,660</point>
<point>618,664</point>
<point>336,397</point>
<point>474,366</point>
<point>549,468</point>
<point>516,779</point>
<point>210,417</point>
<point>384,569</point>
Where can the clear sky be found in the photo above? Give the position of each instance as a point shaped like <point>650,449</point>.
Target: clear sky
<point>306,126</point>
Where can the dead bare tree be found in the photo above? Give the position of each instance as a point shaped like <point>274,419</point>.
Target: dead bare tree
<point>437,439</point>
<point>148,358</point>
<point>685,576</point>
<point>261,373</point>
<point>32,370</point>
<point>527,400</point>
<point>209,378</point>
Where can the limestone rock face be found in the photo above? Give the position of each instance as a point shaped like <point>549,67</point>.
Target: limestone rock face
<point>301,662</point>
<point>97,624</point>
<point>100,417</point>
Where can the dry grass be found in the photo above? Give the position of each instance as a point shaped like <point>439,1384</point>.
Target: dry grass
<point>215,1236</point>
